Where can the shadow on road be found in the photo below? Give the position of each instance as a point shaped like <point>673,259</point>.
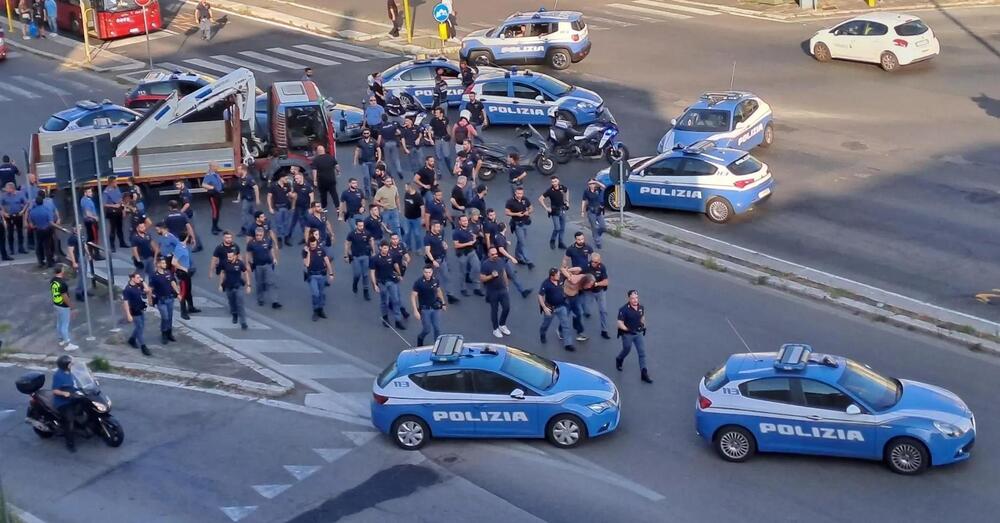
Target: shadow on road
<point>991,106</point>
<point>982,41</point>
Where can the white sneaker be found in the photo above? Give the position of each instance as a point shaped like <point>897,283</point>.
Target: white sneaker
<point>70,347</point>
<point>62,342</point>
<point>505,330</point>
<point>497,333</point>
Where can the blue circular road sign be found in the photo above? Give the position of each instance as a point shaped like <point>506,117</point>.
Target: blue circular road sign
<point>441,13</point>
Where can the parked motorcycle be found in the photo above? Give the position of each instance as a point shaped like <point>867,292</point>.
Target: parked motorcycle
<point>543,161</point>
<point>598,139</point>
<point>494,156</point>
<point>402,104</point>
<point>93,416</point>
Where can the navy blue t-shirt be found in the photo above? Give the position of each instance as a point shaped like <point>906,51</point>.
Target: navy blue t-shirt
<point>319,224</point>
<point>177,223</point>
<point>488,267</point>
<point>500,241</point>
<point>317,260</point>
<point>367,150</point>
<point>135,296</point>
<point>600,273</point>
<point>302,194</point>
<point>595,200</point>
<point>62,380</point>
<point>261,252</point>
<point>246,187</point>
<point>143,244</point>
<point>463,236</point>
<point>232,274</point>
<point>352,201</point>
<point>280,196</point>
<point>632,318</point>
<point>437,245</point>
<point>373,226</point>
<point>579,256</point>
<point>427,292</point>
<point>436,211</point>
<point>162,285</point>
<point>384,267</point>
<point>360,243</point>
<point>553,293</point>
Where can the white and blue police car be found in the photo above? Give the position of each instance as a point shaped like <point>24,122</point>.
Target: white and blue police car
<point>702,178</point>
<point>797,401</point>
<point>734,119</point>
<point>521,97</point>
<point>483,390</point>
<point>88,114</point>
<point>416,77</point>
<point>554,38</point>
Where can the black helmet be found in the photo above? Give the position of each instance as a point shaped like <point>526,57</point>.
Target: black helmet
<point>63,362</point>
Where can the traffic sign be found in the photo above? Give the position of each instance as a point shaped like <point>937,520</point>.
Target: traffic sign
<point>143,3</point>
<point>441,13</point>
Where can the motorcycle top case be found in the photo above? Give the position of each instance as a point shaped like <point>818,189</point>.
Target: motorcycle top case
<point>30,383</point>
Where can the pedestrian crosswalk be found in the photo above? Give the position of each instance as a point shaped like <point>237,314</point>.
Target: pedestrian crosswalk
<point>625,13</point>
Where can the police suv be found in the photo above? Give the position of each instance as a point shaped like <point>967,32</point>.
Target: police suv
<point>702,178</point>
<point>797,401</point>
<point>482,390</point>
<point>735,119</point>
<point>555,38</point>
<point>416,77</point>
<point>88,114</point>
<point>524,97</point>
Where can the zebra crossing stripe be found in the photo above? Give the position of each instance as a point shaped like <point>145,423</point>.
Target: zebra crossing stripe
<point>335,54</point>
<point>243,63</point>
<point>303,56</point>
<point>17,91</point>
<point>288,64</point>
<point>210,65</point>
<point>675,7</point>
<point>646,10</point>
<point>171,67</point>
<point>41,86</point>
<point>358,49</point>
<point>610,21</point>
<point>631,16</point>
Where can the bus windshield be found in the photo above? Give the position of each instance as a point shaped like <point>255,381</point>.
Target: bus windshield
<point>115,6</point>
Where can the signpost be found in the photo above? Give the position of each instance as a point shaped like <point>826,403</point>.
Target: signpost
<point>620,172</point>
<point>409,21</point>
<point>441,13</point>
<point>145,23</point>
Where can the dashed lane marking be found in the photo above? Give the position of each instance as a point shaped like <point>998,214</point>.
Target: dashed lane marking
<point>42,86</point>
<point>301,472</point>
<point>271,491</point>
<point>17,91</point>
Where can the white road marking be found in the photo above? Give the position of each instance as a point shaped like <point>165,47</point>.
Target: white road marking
<point>335,54</point>
<point>301,472</point>
<point>271,491</point>
<point>330,455</point>
<point>72,83</point>
<point>238,513</point>
<point>171,67</point>
<point>675,7</point>
<point>610,21</point>
<point>648,11</point>
<point>629,16</point>
<point>359,438</point>
<point>725,8</point>
<point>42,86</point>
<point>358,49</point>
<point>595,27</point>
<point>210,65</point>
<point>272,60</point>
<point>4,99</point>
<point>303,56</point>
<point>17,91</point>
<point>243,63</point>
<point>318,371</point>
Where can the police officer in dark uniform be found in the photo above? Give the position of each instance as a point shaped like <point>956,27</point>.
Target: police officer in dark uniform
<point>357,251</point>
<point>493,274</point>
<point>324,176</point>
<point>592,208</point>
<point>578,254</point>
<point>366,154</point>
<point>490,223</point>
<point>478,199</point>
<point>413,217</point>
<point>179,223</point>
<point>558,196</point>
<point>279,204</point>
<point>401,257</point>
<point>134,297</point>
<point>319,274</point>
<point>302,198</point>
<point>249,196</point>
<point>164,287</point>
<point>519,209</point>
<point>426,177</point>
<point>476,227</point>
<point>8,172</point>
<point>477,111</point>
<point>409,141</point>
<point>316,220</point>
<point>503,249</point>
<point>553,304</point>
<point>221,253</point>
<point>262,256</point>
<point>186,206</point>
<point>440,90</point>
<point>632,330</point>
<point>235,283</point>
<point>428,301</point>
<point>260,221</point>
<point>516,173</point>
<point>385,276</point>
<point>435,210</point>
<point>352,201</point>
<point>375,226</point>
<point>465,253</point>
<point>390,135</point>
<point>143,251</point>
<point>114,212</point>
<point>599,291</point>
<point>436,254</point>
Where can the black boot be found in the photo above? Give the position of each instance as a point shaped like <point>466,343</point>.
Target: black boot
<point>385,321</point>
<point>236,319</point>
<point>194,310</point>
<point>170,335</point>
<point>604,334</point>
<point>406,315</point>
<point>354,286</point>
<point>645,377</point>
<point>618,363</point>
<point>420,340</point>
<point>131,341</point>
<point>321,313</point>
<point>145,351</point>
<point>315,316</point>
<point>400,326</point>
<point>368,297</point>
<point>184,311</point>
<point>163,337</point>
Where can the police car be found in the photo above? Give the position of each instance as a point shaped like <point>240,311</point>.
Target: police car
<point>524,97</point>
<point>554,38</point>
<point>798,401</point>
<point>735,119</point>
<point>84,115</point>
<point>416,77</point>
<point>704,178</point>
<point>483,390</point>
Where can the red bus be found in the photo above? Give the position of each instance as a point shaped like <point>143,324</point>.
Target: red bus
<point>109,19</point>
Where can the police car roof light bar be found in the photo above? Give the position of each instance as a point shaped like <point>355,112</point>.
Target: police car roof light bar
<point>792,356</point>
<point>448,347</point>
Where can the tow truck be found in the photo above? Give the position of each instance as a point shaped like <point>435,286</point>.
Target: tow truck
<point>160,147</point>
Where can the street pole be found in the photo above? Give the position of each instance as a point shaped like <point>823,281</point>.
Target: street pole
<point>107,247</point>
<point>409,21</point>
<point>10,18</point>
<point>145,24</point>
<point>621,195</point>
<point>80,245</point>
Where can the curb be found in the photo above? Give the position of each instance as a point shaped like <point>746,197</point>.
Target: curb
<point>819,13</point>
<point>124,64</point>
<point>169,374</point>
<point>23,515</point>
<point>976,334</point>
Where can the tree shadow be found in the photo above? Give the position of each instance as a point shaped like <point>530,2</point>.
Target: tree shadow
<point>982,41</point>
<point>991,106</point>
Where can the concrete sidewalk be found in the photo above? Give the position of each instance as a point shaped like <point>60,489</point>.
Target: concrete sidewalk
<point>71,52</point>
<point>789,10</point>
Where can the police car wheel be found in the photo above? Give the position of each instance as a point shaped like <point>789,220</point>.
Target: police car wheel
<point>735,444</point>
<point>821,52</point>
<point>480,58</point>
<point>559,59</point>
<point>907,456</point>
<point>410,433</point>
<point>768,136</point>
<point>889,62</point>
<point>566,431</point>
<point>611,199</point>
<point>719,210</point>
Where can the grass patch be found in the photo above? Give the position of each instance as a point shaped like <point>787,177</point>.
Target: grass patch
<point>879,319</point>
<point>760,280</point>
<point>99,364</point>
<point>965,329</point>
<point>836,293</point>
<point>5,327</point>
<point>710,264</point>
<point>616,232</point>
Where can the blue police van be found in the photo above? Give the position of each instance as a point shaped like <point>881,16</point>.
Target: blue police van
<point>703,178</point>
<point>483,390</point>
<point>519,97</point>
<point>734,119</point>
<point>797,401</point>
<point>553,38</point>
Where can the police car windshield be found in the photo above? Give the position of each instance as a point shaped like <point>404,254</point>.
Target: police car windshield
<point>745,165</point>
<point>55,124</point>
<point>553,86</point>
<point>531,369</point>
<point>704,121</point>
<point>877,391</point>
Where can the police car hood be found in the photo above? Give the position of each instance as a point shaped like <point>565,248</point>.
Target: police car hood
<point>579,94</point>
<point>921,399</point>
<point>604,175</point>
<point>581,380</point>
<point>674,137</point>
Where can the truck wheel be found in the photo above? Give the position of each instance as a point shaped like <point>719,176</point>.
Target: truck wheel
<point>821,52</point>
<point>612,201</point>
<point>735,444</point>
<point>768,136</point>
<point>907,456</point>
<point>559,59</point>
<point>480,58</point>
<point>566,431</point>
<point>410,432</point>
<point>719,210</point>
<point>75,26</point>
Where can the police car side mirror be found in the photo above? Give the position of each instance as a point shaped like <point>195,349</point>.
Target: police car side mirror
<point>853,409</point>
<point>517,394</point>
<point>503,36</point>
<point>673,122</point>
<point>539,98</point>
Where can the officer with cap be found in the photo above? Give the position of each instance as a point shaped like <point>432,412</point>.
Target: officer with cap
<point>279,204</point>
<point>493,274</point>
<point>592,208</point>
<point>134,297</point>
<point>357,252</point>
<point>632,330</point>
<point>249,195</point>
<point>235,282</point>
<point>428,301</point>
<point>553,304</point>
<point>465,253</point>
<point>385,276</point>
<point>319,274</point>
<point>13,206</point>
<point>436,254</point>
<point>262,257</point>
<point>164,290</point>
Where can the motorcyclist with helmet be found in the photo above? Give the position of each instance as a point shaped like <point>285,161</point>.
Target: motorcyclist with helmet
<point>64,398</point>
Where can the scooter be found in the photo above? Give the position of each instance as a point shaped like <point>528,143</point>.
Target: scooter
<point>494,156</point>
<point>403,104</point>
<point>599,139</point>
<point>543,161</point>
<point>93,416</point>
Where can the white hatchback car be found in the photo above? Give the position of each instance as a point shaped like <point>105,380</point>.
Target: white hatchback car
<point>887,39</point>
